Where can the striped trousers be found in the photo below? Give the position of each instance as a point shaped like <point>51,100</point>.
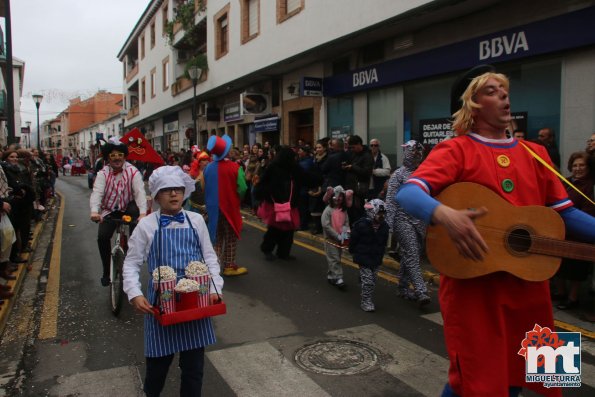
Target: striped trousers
<point>227,243</point>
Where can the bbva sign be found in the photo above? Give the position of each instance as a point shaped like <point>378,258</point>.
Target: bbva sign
<point>507,44</point>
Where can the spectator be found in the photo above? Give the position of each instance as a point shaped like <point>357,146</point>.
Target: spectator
<point>332,171</point>
<point>358,170</point>
<point>316,205</point>
<point>590,149</point>
<point>519,134</point>
<point>572,270</point>
<point>380,171</point>
<point>546,137</point>
<point>7,237</point>
<point>306,163</point>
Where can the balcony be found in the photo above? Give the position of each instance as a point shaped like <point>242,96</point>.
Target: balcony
<point>133,112</point>
<point>181,85</point>
<point>132,72</point>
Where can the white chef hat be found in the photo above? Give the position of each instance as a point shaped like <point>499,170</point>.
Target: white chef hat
<point>170,176</point>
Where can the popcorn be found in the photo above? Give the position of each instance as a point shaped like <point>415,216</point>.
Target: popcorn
<point>185,285</point>
<point>167,274</point>
<point>197,268</point>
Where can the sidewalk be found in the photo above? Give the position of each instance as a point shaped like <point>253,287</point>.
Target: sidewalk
<point>6,308</point>
<point>568,320</point>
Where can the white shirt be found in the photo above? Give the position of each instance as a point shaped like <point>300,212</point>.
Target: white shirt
<point>140,243</point>
<point>138,190</point>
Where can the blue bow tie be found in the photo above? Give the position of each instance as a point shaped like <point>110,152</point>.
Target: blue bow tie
<point>165,220</point>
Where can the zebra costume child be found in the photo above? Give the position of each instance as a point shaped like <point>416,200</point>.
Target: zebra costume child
<point>409,231</point>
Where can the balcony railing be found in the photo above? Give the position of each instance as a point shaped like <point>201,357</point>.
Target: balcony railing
<point>131,73</point>
<point>133,112</point>
<point>182,83</point>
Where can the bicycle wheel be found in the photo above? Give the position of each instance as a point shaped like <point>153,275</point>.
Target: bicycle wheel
<point>117,284</point>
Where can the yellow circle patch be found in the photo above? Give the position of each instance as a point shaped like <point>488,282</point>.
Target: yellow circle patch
<point>503,161</point>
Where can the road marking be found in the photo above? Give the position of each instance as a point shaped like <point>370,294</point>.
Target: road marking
<point>420,369</point>
<point>434,317</point>
<point>49,316</point>
<point>261,370</point>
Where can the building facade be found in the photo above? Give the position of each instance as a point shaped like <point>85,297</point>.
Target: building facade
<point>283,70</point>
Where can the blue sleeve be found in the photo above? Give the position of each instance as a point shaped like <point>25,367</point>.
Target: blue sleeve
<point>416,202</point>
<point>579,223</point>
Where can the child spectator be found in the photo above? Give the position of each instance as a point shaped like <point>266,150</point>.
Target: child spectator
<point>367,245</point>
<point>173,237</point>
<point>335,226</point>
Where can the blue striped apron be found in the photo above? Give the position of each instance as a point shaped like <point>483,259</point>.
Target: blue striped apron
<point>178,247</point>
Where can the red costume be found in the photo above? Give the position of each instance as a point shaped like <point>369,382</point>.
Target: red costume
<point>486,318</point>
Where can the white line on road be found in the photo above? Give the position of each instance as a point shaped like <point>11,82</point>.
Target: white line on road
<point>413,365</point>
<point>260,370</point>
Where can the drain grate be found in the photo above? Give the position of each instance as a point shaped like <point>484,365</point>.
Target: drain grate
<point>337,357</point>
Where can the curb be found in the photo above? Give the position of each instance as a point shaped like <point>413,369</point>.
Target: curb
<point>21,272</point>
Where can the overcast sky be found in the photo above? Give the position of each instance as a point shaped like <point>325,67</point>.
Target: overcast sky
<point>69,48</point>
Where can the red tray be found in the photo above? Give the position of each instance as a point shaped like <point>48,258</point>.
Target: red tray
<point>190,314</point>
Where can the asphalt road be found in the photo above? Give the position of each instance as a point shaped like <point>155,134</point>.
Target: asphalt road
<point>287,331</point>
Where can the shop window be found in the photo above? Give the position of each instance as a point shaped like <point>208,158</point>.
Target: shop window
<point>288,8</point>
<point>340,117</point>
<point>221,32</point>
<point>383,119</point>
<point>250,10</point>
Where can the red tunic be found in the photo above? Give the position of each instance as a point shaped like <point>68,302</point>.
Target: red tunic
<point>486,318</point>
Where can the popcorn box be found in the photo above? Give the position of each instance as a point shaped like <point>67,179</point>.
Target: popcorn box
<point>203,292</point>
<point>186,300</point>
<point>167,297</point>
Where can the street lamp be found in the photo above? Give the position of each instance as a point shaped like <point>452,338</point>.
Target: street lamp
<point>28,136</point>
<point>37,99</point>
<point>194,72</point>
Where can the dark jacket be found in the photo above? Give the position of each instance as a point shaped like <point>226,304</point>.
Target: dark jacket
<point>358,177</point>
<point>275,183</point>
<point>331,169</point>
<point>367,245</point>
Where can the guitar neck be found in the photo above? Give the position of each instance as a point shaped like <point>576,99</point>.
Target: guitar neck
<point>563,249</point>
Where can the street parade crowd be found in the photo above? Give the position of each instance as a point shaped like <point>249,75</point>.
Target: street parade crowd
<point>342,189</point>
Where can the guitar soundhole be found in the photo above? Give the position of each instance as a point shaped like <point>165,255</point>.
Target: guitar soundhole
<point>519,241</point>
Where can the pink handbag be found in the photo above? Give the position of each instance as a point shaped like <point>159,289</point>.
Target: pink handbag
<point>283,210</point>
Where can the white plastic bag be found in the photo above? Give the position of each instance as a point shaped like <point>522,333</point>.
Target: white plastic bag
<point>7,235</point>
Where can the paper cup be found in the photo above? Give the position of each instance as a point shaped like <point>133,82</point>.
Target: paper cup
<point>186,300</point>
<point>167,298</point>
<point>203,291</point>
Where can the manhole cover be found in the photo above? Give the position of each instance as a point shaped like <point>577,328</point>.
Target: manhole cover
<point>336,357</point>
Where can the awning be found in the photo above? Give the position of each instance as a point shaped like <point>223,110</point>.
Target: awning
<point>269,124</point>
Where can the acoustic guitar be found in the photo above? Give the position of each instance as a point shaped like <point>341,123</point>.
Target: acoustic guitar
<point>527,242</point>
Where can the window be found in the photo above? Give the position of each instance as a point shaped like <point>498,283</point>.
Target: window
<point>153,34</point>
<point>165,74</point>
<point>288,8</point>
<point>164,20</point>
<point>142,47</point>
<point>221,32</point>
<point>153,82</point>
<point>250,19</point>
<point>143,89</point>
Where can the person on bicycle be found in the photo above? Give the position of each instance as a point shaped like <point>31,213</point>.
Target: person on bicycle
<point>117,187</point>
